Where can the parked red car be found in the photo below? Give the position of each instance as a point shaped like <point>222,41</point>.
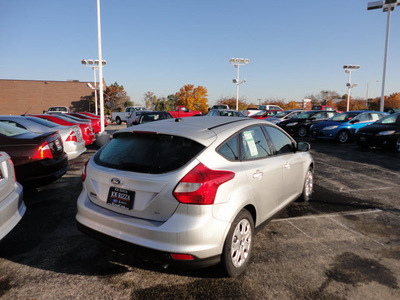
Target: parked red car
<point>38,158</point>
<point>95,122</point>
<point>94,116</point>
<point>86,129</point>
<point>265,114</point>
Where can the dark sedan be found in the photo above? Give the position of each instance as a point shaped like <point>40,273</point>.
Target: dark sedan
<point>301,124</point>
<point>383,133</point>
<point>38,158</point>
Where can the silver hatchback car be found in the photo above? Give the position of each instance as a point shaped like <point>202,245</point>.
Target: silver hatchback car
<point>192,191</point>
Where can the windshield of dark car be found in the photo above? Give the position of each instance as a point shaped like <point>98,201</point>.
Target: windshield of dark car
<point>344,117</point>
<point>147,152</point>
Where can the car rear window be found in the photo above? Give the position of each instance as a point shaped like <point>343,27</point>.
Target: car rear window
<point>147,153</point>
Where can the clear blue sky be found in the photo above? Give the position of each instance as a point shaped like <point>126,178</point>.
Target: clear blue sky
<point>296,48</point>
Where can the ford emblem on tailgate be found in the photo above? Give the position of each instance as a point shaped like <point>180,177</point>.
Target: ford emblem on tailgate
<point>115,181</point>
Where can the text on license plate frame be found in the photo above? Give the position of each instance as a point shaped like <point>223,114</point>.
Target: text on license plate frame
<point>121,197</point>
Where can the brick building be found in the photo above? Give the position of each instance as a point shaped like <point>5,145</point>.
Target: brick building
<point>35,96</point>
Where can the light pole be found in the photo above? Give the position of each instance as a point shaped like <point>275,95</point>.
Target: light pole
<point>94,64</point>
<point>348,69</point>
<point>388,6</point>
<point>236,62</point>
<point>100,68</point>
<point>366,97</point>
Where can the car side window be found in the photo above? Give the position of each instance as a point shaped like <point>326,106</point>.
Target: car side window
<point>363,117</point>
<point>375,117</point>
<point>281,143</point>
<point>254,143</point>
<point>319,116</point>
<point>230,149</point>
<point>330,114</point>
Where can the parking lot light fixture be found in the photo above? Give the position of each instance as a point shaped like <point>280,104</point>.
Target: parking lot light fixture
<point>94,65</point>
<point>387,6</point>
<point>236,62</point>
<point>348,69</point>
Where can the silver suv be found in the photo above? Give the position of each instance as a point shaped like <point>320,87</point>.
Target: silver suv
<point>193,190</point>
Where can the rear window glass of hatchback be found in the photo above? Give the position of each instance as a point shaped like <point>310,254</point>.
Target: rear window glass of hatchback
<point>147,153</point>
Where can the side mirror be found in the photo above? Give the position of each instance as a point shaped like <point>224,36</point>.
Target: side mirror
<point>355,121</point>
<point>303,146</point>
<point>312,118</point>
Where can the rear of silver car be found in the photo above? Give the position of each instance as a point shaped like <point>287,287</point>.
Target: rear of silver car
<point>140,208</point>
<point>12,206</point>
<point>74,144</point>
<point>166,187</point>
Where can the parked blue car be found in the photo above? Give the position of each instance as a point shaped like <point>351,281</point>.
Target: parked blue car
<point>344,126</point>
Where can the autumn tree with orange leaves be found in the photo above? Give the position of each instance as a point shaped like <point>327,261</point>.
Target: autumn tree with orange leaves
<point>193,98</point>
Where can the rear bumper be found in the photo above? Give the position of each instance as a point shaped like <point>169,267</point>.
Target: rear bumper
<point>12,209</point>
<point>74,149</point>
<point>41,172</point>
<point>200,236</point>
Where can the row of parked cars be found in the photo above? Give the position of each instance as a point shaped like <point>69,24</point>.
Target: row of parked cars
<point>320,123</point>
<point>34,151</point>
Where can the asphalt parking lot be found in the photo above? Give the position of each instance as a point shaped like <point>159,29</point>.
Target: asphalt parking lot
<point>344,244</point>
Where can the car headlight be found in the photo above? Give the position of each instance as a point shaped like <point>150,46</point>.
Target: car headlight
<point>291,124</point>
<point>387,132</point>
<point>330,127</point>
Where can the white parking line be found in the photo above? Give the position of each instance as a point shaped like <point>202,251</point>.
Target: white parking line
<point>358,190</point>
<point>356,212</point>
<point>310,237</point>
<point>331,217</point>
<point>356,232</point>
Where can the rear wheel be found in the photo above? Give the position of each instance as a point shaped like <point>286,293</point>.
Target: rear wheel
<point>343,136</point>
<point>118,120</point>
<point>238,244</point>
<point>308,186</point>
<point>302,131</point>
<point>397,145</point>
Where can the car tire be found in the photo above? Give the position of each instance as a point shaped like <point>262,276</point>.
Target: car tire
<point>238,245</point>
<point>397,145</point>
<point>343,137</point>
<point>308,186</point>
<point>302,131</point>
<point>118,120</point>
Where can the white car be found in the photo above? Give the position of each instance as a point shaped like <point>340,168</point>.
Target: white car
<point>12,206</point>
<point>193,190</point>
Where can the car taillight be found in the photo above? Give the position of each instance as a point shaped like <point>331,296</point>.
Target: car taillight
<point>84,171</point>
<point>12,164</point>
<point>72,137</point>
<point>43,152</point>
<point>200,185</point>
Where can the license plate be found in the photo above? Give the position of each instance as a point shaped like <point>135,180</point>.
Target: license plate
<point>121,197</point>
